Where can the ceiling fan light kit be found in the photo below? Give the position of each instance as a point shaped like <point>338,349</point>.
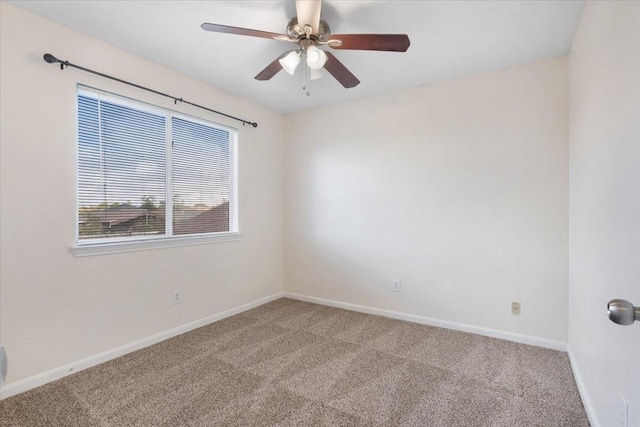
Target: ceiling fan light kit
<point>309,31</point>
<point>290,61</point>
<point>316,74</point>
<point>316,58</point>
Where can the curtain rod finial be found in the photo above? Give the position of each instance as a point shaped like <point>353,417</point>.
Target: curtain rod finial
<point>50,58</point>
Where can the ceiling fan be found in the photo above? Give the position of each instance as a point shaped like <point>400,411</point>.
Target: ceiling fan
<point>310,32</point>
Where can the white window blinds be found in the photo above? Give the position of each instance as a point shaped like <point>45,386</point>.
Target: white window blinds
<point>201,181</point>
<point>147,173</point>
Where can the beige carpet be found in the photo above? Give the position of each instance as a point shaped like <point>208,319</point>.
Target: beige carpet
<point>292,363</point>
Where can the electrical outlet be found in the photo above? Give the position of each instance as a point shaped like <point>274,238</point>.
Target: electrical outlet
<point>396,285</point>
<point>515,308</point>
<point>624,413</point>
<point>176,296</point>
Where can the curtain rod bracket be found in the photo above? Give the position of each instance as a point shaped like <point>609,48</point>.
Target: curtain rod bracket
<point>53,60</point>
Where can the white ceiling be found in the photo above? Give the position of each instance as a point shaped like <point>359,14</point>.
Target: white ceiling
<point>449,39</point>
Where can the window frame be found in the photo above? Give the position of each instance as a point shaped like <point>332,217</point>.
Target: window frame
<point>109,245</point>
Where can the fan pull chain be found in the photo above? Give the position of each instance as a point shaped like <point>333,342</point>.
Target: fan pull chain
<point>305,74</point>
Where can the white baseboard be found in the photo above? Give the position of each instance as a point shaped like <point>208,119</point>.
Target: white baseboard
<point>71,368</point>
<point>494,333</point>
<point>63,371</point>
<point>583,391</point>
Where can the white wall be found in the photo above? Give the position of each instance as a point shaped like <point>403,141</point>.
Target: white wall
<point>57,309</point>
<point>459,189</point>
<point>605,205</point>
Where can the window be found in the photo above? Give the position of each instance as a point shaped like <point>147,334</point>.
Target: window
<point>146,174</point>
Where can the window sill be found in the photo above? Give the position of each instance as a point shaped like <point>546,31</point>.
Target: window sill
<point>90,249</point>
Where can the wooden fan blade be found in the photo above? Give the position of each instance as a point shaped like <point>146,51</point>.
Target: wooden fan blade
<point>271,69</point>
<point>308,13</point>
<point>386,42</point>
<point>217,28</point>
<point>340,72</point>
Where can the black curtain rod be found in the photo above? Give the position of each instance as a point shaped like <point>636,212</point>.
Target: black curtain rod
<point>52,60</point>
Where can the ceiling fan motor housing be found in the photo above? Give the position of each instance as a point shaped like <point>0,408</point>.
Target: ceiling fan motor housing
<point>295,31</point>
